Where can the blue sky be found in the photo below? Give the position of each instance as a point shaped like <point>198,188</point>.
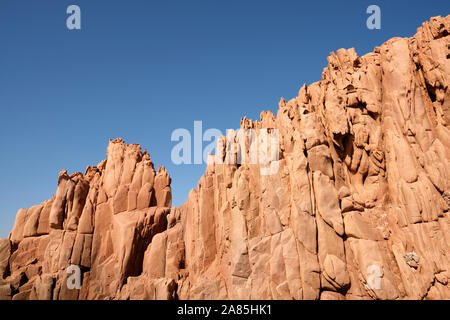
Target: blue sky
<point>141,69</point>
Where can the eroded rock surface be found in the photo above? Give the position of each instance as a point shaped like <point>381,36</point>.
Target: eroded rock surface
<point>357,207</point>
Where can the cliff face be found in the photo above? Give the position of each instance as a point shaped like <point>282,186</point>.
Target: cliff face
<point>357,207</point>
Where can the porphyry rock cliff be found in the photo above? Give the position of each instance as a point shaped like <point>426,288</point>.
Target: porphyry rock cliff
<point>357,208</point>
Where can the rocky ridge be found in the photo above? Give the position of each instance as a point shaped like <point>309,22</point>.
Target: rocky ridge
<point>358,208</point>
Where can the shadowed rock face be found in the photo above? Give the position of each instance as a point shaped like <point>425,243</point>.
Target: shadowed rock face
<point>357,208</point>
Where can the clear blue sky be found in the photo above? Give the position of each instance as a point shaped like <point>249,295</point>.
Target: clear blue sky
<point>140,69</point>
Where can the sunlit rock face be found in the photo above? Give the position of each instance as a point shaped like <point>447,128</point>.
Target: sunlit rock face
<point>357,207</point>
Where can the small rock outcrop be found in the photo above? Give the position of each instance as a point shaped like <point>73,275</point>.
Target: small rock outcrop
<point>357,206</point>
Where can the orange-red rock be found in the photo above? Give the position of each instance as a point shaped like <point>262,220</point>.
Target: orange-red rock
<point>357,208</point>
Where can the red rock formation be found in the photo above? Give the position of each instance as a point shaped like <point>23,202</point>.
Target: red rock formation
<point>357,208</point>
